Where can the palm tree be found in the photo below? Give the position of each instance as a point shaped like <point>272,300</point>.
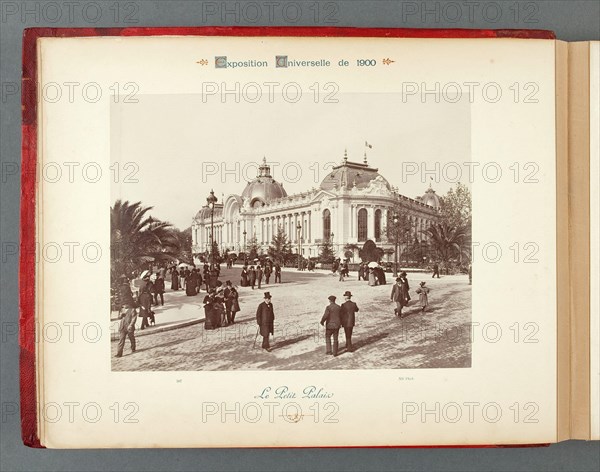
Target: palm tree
<point>137,239</point>
<point>448,241</point>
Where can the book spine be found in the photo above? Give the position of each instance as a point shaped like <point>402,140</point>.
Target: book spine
<point>27,257</point>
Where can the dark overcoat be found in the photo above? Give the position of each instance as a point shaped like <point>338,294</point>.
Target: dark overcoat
<point>332,316</point>
<point>265,318</point>
<point>349,309</point>
<point>400,293</point>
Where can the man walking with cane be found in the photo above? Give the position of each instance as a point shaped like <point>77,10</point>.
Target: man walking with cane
<point>265,318</point>
<point>128,317</point>
<point>331,320</point>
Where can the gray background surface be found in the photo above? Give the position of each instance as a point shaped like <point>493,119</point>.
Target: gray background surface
<point>570,20</point>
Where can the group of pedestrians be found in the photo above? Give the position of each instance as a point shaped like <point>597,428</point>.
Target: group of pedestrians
<point>401,296</point>
<point>335,317</point>
<point>220,306</point>
<point>253,276</point>
<point>221,303</point>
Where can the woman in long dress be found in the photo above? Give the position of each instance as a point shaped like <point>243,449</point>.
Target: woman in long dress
<point>209,311</point>
<point>372,277</point>
<point>190,284</point>
<point>174,279</point>
<point>244,277</point>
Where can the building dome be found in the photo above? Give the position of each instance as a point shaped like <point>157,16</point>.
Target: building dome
<point>263,188</point>
<point>204,212</point>
<point>430,198</point>
<point>352,174</point>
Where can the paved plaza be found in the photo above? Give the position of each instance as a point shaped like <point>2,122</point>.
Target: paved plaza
<point>438,338</point>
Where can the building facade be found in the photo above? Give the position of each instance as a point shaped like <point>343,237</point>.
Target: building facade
<point>353,204</point>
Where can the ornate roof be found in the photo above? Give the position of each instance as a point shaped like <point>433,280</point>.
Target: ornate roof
<point>352,174</point>
<point>204,212</point>
<point>431,198</point>
<point>263,188</point>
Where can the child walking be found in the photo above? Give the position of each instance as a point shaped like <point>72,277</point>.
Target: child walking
<point>423,291</point>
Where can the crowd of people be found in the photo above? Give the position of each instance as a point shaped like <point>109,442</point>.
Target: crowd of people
<point>257,273</point>
<point>221,302</point>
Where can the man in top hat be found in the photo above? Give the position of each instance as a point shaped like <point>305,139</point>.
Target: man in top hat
<point>265,318</point>
<point>128,316</point>
<point>332,321</point>
<point>348,318</point>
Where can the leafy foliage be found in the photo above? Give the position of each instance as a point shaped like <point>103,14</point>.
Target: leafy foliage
<point>280,249</point>
<point>456,207</point>
<point>448,242</point>
<point>370,252</point>
<point>456,214</point>
<point>137,239</point>
<point>253,248</point>
<point>326,255</point>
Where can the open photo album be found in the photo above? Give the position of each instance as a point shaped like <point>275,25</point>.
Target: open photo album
<point>308,237</point>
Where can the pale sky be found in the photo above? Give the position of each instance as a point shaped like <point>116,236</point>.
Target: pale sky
<point>178,143</point>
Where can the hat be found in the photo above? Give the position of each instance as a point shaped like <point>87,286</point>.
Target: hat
<point>403,274</point>
<point>422,283</point>
<point>398,279</point>
<point>267,295</point>
<point>347,293</point>
<point>228,282</point>
<point>331,298</point>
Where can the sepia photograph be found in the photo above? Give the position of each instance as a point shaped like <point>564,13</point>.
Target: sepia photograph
<point>290,235</point>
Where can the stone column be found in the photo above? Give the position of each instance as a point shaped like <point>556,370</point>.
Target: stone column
<point>370,223</point>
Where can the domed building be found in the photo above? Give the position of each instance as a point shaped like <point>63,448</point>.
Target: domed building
<point>430,198</point>
<point>264,188</point>
<point>352,205</point>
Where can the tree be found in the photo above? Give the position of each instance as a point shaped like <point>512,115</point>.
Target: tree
<point>253,248</point>
<point>326,255</point>
<point>456,213</point>
<point>185,245</point>
<point>447,242</point>
<point>456,207</point>
<point>350,249</point>
<point>216,252</point>
<point>370,252</point>
<point>280,248</point>
<point>137,239</point>
<point>401,231</point>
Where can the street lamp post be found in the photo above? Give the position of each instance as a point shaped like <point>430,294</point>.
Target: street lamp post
<point>332,247</point>
<point>244,233</point>
<point>396,245</point>
<point>299,229</point>
<point>211,200</point>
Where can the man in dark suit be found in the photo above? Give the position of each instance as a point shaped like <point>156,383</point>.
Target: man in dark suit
<point>128,316</point>
<point>332,321</point>
<point>349,308</point>
<point>259,275</point>
<point>277,273</point>
<point>436,270</point>
<point>265,318</point>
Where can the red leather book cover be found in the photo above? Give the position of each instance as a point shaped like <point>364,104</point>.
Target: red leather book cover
<point>27,265</point>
